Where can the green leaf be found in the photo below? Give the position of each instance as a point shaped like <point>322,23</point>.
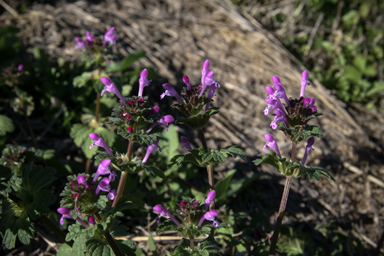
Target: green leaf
<point>65,250</point>
<point>131,58</point>
<point>222,186</point>
<point>129,202</point>
<point>82,80</point>
<point>316,172</point>
<point>377,88</point>
<point>236,151</point>
<point>6,125</point>
<point>360,62</point>
<point>170,146</point>
<point>151,243</point>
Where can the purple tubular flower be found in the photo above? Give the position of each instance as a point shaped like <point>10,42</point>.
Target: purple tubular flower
<point>20,67</point>
<point>163,212</point>
<point>186,81</point>
<point>152,148</point>
<point>143,81</point>
<point>304,83</point>
<point>212,88</point>
<point>164,120</point>
<point>308,148</point>
<point>112,176</point>
<point>110,87</point>
<point>80,43</point>
<point>210,199</point>
<point>98,141</point>
<point>66,213</point>
<point>209,216</point>
<point>185,142</point>
<point>280,92</point>
<point>103,169</point>
<point>309,102</point>
<point>170,91</point>
<point>154,110</point>
<point>271,142</point>
<point>110,37</point>
<point>204,72</point>
<point>103,185</point>
<point>89,37</point>
<point>280,117</point>
<point>270,90</point>
<point>112,194</point>
<point>82,180</point>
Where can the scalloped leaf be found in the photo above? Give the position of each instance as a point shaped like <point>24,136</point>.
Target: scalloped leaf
<point>6,125</point>
<point>199,121</point>
<point>167,225</point>
<point>316,172</point>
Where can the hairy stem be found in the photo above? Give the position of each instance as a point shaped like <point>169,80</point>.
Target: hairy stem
<point>109,238</point>
<point>280,216</point>
<point>123,177</point>
<point>87,165</point>
<point>192,244</point>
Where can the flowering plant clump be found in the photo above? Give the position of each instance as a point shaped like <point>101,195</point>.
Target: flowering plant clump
<point>290,117</point>
<point>193,219</point>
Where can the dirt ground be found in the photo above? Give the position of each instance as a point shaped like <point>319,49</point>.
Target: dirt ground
<point>177,37</point>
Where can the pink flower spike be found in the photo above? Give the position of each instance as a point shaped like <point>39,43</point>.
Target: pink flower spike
<point>270,90</point>
<point>271,142</point>
<point>20,67</point>
<point>103,185</point>
<point>186,81</point>
<point>66,213</point>
<point>304,83</point>
<point>170,91</point>
<point>80,43</point>
<point>103,169</point>
<point>185,142</point>
<point>154,110</point>
<point>110,37</point>
<point>164,120</point>
<point>143,81</point>
<point>152,148</point>
<point>212,88</point>
<point>204,72</point>
<point>280,93</point>
<point>110,87</point>
<point>208,216</point>
<point>111,195</point>
<point>308,149</point>
<point>280,116</point>
<point>98,141</point>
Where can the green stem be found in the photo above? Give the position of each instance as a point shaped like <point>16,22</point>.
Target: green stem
<point>109,238</point>
<point>87,165</point>
<point>123,177</point>
<point>97,110</point>
<point>192,244</point>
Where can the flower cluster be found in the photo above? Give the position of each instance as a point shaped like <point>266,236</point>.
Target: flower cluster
<point>192,102</point>
<point>191,213</point>
<point>81,195</point>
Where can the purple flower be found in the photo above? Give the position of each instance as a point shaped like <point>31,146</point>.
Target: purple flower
<point>210,198</point>
<point>91,220</point>
<point>209,216</point>
<point>163,212</point>
<point>185,142</point>
<point>164,120</point>
<point>309,102</point>
<point>154,110</point>
<point>212,88</point>
<point>20,67</point>
<point>112,176</point>
<point>112,194</point>
<point>170,91</point>
<point>304,83</point>
<point>103,185</point>
<point>280,116</point>
<point>66,213</point>
<point>110,37</point>
<point>89,37</point>
<point>204,72</point>
<point>271,142</point>
<point>186,81</point>
<point>143,81</point>
<point>81,179</point>
<point>80,43</point>
<point>313,110</point>
<point>152,148</point>
<point>280,92</point>
<point>103,169</point>
<point>308,148</point>
<point>110,87</point>
<point>98,141</point>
